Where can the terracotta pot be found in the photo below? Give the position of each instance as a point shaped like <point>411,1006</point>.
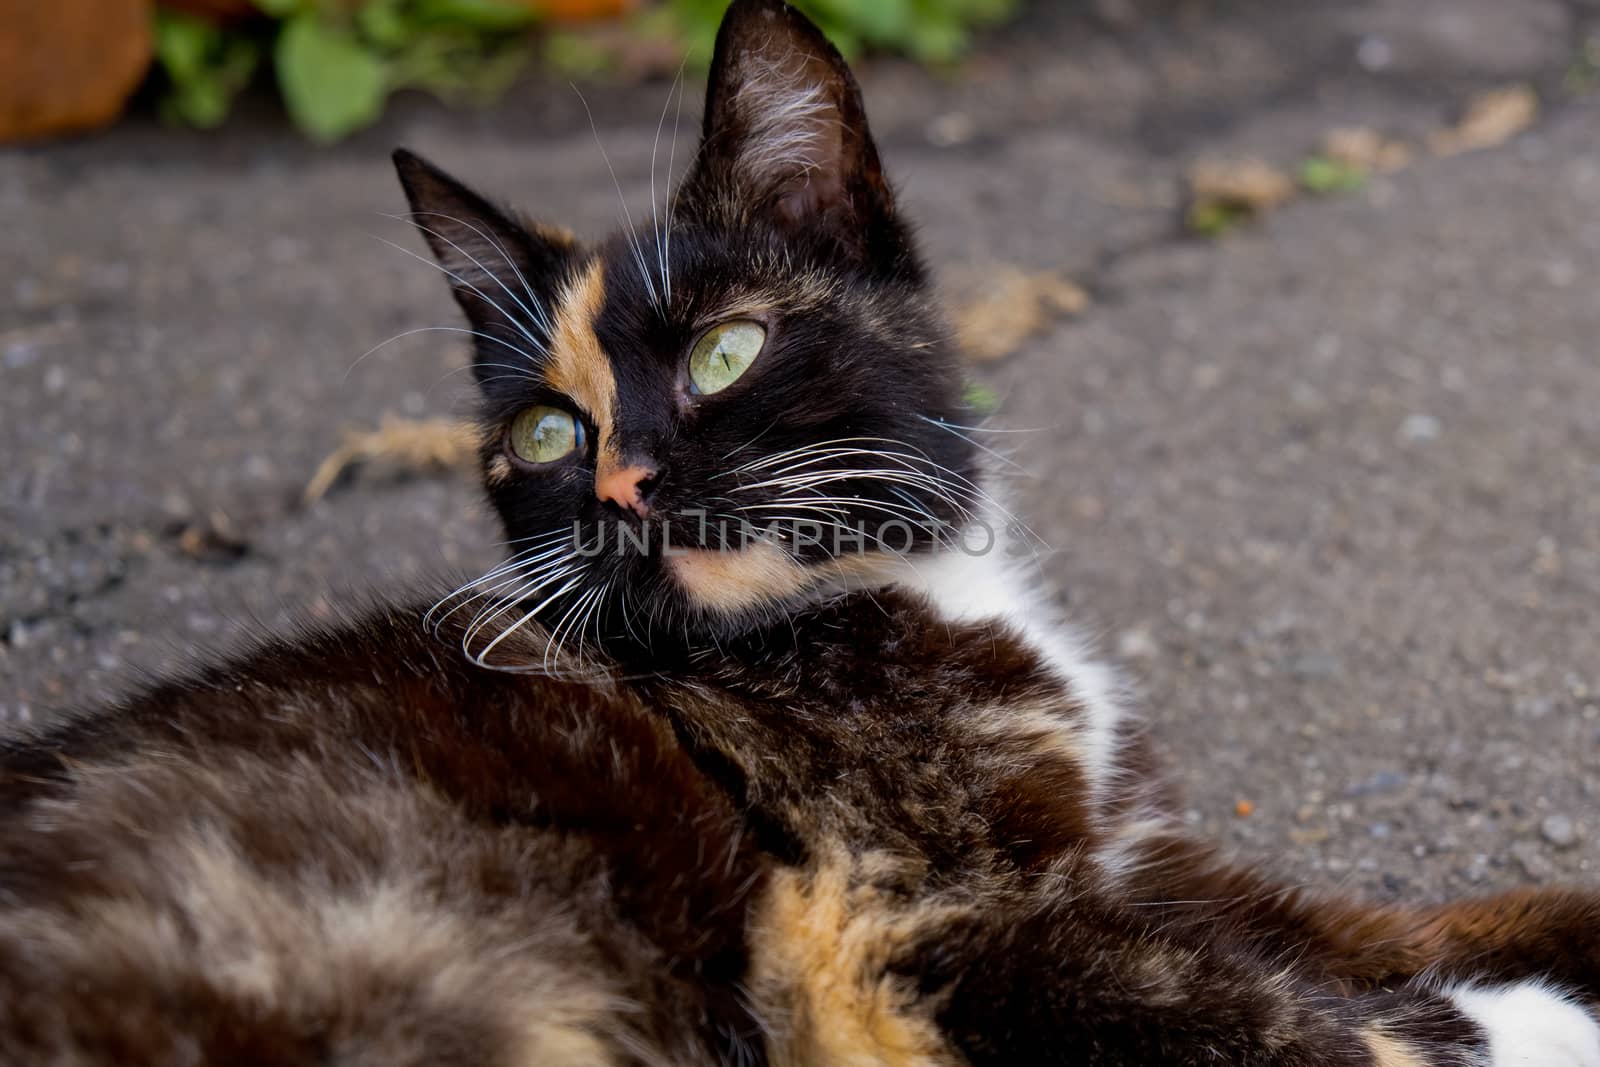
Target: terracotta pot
<point>69,64</point>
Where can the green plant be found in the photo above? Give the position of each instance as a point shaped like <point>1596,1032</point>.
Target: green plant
<point>1326,176</point>
<point>1215,218</point>
<point>337,61</point>
<point>931,31</point>
<point>336,64</point>
<point>205,66</point>
<point>1583,74</point>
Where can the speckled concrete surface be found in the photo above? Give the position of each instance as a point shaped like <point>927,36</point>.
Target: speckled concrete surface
<point>1329,488</point>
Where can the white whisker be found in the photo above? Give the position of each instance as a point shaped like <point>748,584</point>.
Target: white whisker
<point>1007,460</point>
<point>672,157</point>
<point>521,568</point>
<point>655,215</point>
<point>436,329</point>
<point>633,237</point>
<point>518,560</point>
<point>480,658</point>
<point>452,275</point>
<point>536,312</point>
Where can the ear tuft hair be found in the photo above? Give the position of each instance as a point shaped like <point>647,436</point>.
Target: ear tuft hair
<point>502,272</point>
<point>470,237</point>
<point>785,130</point>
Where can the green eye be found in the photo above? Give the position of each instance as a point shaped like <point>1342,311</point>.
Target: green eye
<point>725,352</point>
<point>543,435</point>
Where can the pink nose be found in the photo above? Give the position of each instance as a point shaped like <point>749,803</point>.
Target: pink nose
<point>623,487</point>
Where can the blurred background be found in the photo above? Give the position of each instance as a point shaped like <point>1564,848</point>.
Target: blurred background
<point>1288,310</point>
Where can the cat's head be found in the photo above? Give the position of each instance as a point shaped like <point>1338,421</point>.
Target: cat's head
<point>744,401</point>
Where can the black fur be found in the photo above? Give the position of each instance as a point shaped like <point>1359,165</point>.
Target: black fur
<point>845,826</point>
<point>856,350</point>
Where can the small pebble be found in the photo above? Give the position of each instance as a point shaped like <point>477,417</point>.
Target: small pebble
<point>1380,783</point>
<point>1374,54</point>
<point>1420,427</point>
<point>951,129</point>
<point>1532,707</point>
<point>1559,831</point>
<point>1312,666</point>
<point>19,354</point>
<point>1136,644</point>
<point>1533,861</point>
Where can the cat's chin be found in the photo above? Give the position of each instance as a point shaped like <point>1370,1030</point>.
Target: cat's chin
<point>743,582</point>
<point>739,581</point>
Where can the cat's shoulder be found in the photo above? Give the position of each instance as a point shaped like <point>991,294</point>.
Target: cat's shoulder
<point>362,672</point>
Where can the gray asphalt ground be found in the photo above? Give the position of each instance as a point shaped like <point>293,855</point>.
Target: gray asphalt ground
<point>1329,487</point>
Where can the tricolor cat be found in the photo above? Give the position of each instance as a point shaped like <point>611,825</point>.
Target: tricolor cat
<point>759,748</point>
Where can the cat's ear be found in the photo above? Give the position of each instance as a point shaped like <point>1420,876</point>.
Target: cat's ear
<point>785,131</point>
<point>503,273</point>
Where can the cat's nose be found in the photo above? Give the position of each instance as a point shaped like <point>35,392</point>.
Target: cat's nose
<point>628,487</point>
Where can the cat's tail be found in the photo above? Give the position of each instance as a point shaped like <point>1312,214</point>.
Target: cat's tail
<point>1106,984</point>
<point>1550,935</point>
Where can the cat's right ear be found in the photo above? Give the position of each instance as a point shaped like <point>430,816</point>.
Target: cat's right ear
<point>785,137</point>
<point>503,273</point>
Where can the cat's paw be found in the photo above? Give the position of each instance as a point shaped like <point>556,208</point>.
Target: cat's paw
<point>1531,1025</point>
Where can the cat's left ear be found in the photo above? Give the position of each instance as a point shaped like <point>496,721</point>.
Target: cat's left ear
<point>785,132</point>
<point>503,273</point>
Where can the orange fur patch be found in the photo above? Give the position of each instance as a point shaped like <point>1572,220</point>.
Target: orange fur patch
<point>578,366</point>
<point>821,944</point>
<point>559,236</point>
<point>730,582</point>
<point>764,573</point>
<point>498,471</point>
<point>1045,732</point>
<point>1387,1052</point>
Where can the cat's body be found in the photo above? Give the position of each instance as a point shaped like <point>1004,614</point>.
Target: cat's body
<point>872,835</point>
<point>769,802</point>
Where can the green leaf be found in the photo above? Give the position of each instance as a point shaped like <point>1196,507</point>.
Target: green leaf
<point>496,16</point>
<point>984,11</point>
<point>331,84</point>
<point>181,44</point>
<point>279,9</point>
<point>1213,219</point>
<point>937,40</point>
<point>385,23</point>
<point>203,105</point>
<point>936,31</point>
<point>1325,176</point>
<point>205,67</point>
<point>576,56</point>
<point>880,22</point>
